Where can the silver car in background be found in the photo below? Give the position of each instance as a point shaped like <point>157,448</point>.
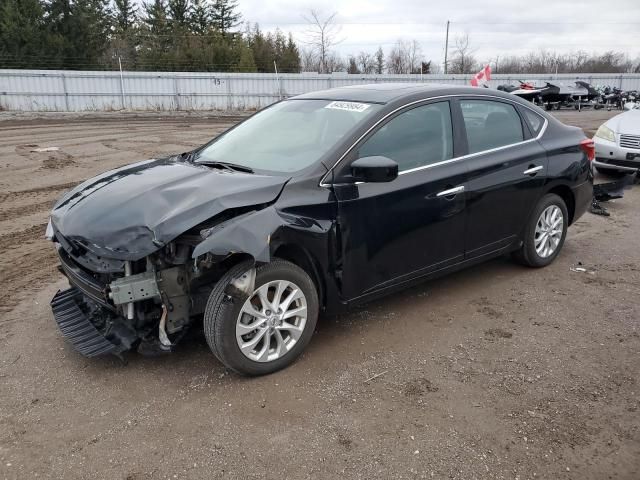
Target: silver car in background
<point>617,144</point>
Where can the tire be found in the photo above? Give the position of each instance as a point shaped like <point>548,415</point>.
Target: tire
<point>528,255</point>
<point>611,172</point>
<point>222,319</point>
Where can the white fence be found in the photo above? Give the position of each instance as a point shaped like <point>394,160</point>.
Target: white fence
<point>56,90</point>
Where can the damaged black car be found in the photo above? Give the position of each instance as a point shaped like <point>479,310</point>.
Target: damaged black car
<point>314,204</point>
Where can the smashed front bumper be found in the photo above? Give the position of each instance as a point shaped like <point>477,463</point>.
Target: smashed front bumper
<point>86,317</point>
<point>73,313</point>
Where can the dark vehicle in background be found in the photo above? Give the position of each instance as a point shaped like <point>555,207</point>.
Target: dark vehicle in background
<point>557,95</point>
<point>317,203</point>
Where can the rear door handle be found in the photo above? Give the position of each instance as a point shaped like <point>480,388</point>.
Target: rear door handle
<point>451,192</point>
<point>533,170</point>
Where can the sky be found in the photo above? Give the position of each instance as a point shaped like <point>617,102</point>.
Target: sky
<point>495,27</point>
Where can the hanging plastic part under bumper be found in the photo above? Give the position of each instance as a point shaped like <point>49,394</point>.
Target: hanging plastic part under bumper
<point>76,327</point>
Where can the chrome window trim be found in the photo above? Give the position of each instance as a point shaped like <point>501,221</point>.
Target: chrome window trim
<point>443,162</point>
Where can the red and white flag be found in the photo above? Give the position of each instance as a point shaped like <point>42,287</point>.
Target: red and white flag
<point>482,77</point>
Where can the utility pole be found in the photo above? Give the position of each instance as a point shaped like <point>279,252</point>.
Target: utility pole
<point>446,49</point>
<point>124,103</point>
<point>275,67</point>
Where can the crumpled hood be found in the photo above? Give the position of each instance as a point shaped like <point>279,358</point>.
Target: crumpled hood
<point>627,122</point>
<point>131,212</point>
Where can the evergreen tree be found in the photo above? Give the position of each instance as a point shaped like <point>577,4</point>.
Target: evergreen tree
<point>291,56</point>
<point>155,20</point>
<point>353,66</point>
<point>246,62</point>
<point>263,54</point>
<point>125,16</point>
<point>23,40</point>
<point>273,47</point>
<point>123,47</point>
<point>379,61</point>
<point>179,13</point>
<point>200,20</point>
<point>225,17</point>
<point>156,38</point>
<point>196,35</point>
<point>79,31</point>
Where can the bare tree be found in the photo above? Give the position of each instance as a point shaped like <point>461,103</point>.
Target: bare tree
<point>397,58</point>
<point>414,56</point>
<point>463,60</point>
<point>322,34</point>
<point>366,63</point>
<point>434,68</point>
<point>576,62</point>
<point>335,63</point>
<point>405,57</point>
<point>309,60</point>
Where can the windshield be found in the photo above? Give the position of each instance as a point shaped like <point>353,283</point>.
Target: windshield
<point>288,136</point>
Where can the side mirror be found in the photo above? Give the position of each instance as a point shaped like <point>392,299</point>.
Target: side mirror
<point>374,170</point>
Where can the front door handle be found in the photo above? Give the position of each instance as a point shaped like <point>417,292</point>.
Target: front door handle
<point>533,170</point>
<point>451,192</point>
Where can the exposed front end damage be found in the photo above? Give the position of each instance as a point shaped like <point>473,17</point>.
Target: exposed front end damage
<point>146,304</point>
<point>130,243</point>
<point>149,304</point>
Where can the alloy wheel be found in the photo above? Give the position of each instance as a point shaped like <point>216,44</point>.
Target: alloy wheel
<point>271,321</point>
<point>549,230</point>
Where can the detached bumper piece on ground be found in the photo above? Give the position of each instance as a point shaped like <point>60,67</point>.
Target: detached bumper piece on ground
<point>604,192</point>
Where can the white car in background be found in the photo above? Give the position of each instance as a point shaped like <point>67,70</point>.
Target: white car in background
<point>617,144</point>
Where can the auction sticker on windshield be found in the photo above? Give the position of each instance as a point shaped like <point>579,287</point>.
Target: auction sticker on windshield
<point>350,106</point>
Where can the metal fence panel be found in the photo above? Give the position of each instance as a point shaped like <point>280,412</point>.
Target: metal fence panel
<point>60,90</point>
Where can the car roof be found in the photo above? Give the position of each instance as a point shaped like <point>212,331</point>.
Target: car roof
<point>387,92</point>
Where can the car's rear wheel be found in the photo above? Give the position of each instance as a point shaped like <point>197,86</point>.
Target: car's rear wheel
<point>264,331</point>
<point>545,232</point>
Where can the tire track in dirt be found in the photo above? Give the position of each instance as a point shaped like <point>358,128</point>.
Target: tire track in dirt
<point>70,138</point>
<point>9,241</point>
<point>25,270</point>
<point>34,192</point>
<point>25,210</point>
<point>62,133</point>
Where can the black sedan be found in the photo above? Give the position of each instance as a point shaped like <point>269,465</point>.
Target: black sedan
<point>317,203</point>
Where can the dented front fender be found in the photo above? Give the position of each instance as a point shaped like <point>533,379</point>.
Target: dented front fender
<point>258,234</point>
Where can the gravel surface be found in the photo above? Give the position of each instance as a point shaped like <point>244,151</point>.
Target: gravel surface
<point>496,372</point>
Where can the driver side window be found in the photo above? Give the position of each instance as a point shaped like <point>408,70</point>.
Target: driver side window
<point>415,138</point>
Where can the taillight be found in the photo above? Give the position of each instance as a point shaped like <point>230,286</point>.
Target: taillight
<point>589,148</point>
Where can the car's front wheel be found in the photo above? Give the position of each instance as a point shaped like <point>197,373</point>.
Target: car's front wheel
<point>266,330</point>
<point>545,232</point>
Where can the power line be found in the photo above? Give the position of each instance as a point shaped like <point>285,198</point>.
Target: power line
<point>456,23</point>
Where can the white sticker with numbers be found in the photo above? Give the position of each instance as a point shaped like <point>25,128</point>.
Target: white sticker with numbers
<point>349,106</point>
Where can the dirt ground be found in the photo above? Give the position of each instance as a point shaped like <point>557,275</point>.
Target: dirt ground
<point>497,372</point>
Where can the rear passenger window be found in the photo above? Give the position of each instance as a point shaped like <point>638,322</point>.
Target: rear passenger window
<point>490,124</point>
<point>534,120</point>
<point>416,138</point>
